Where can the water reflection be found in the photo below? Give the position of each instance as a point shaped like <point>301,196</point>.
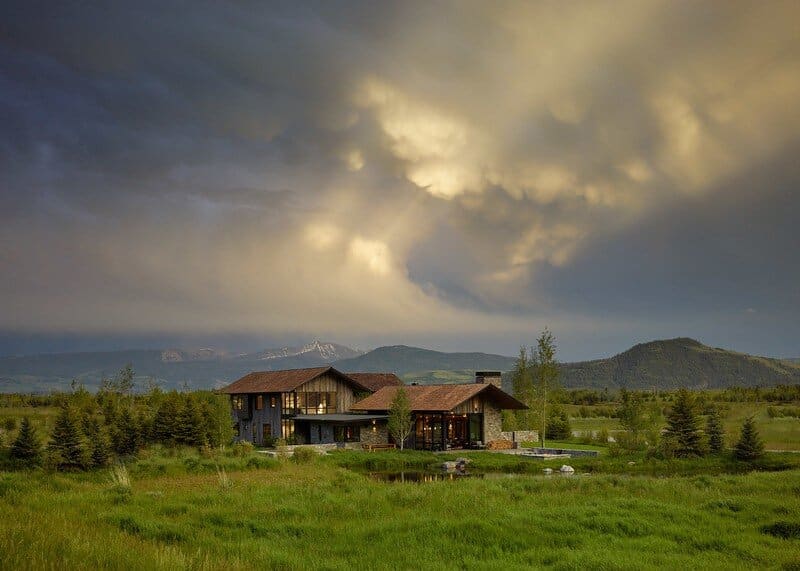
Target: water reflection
<point>422,477</point>
<point>451,476</point>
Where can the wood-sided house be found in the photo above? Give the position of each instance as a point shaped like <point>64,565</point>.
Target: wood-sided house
<point>449,416</point>
<point>307,406</point>
<point>322,405</point>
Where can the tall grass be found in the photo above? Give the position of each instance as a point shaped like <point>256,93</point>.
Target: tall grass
<point>320,515</point>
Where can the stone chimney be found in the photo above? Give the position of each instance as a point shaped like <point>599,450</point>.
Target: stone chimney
<point>489,377</point>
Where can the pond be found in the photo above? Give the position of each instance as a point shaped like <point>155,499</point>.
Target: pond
<point>420,476</point>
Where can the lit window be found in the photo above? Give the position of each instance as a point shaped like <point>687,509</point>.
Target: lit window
<point>259,402</point>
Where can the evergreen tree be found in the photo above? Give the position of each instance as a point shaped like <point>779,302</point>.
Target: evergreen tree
<point>190,429</point>
<point>66,447</point>
<point>26,448</point>
<point>165,421</point>
<point>99,446</point>
<point>683,427</point>
<point>126,433</point>
<point>400,417</point>
<point>714,432</point>
<point>750,446</point>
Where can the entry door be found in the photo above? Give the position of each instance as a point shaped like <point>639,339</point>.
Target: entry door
<point>266,432</point>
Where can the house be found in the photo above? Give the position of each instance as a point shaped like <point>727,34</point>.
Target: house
<point>449,416</point>
<point>322,405</point>
<point>307,406</point>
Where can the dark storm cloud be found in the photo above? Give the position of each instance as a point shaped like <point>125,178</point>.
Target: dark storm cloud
<point>205,167</point>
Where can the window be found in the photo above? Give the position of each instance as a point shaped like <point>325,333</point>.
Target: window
<point>287,429</point>
<point>273,401</point>
<point>239,402</point>
<point>316,403</point>
<point>259,402</point>
<point>289,402</point>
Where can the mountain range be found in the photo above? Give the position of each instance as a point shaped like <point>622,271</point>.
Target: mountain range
<point>657,364</point>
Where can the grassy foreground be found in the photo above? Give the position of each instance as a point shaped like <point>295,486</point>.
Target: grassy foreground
<point>323,516</point>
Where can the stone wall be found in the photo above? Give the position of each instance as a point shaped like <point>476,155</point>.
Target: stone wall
<point>521,435</point>
<point>379,436</point>
<point>492,423</point>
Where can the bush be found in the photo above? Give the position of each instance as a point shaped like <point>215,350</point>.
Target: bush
<point>304,455</point>
<point>243,448</point>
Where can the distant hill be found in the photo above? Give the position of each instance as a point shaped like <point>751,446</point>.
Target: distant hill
<point>172,368</point>
<point>403,360</point>
<point>662,364</point>
<point>679,362</point>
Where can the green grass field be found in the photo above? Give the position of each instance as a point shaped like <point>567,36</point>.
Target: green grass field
<point>322,515</point>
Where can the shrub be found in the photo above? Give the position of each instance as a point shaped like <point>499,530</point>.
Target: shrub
<point>243,448</point>
<point>10,423</point>
<point>304,455</point>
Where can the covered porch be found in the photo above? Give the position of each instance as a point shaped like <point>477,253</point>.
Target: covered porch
<point>447,430</point>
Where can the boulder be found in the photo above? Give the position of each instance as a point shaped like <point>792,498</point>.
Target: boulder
<point>566,469</point>
<point>548,471</point>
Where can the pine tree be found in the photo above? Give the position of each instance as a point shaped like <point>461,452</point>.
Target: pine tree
<point>750,446</point>
<point>714,432</point>
<point>400,417</point>
<point>165,421</point>
<point>66,446</point>
<point>190,427</point>
<point>682,427</point>
<point>99,446</point>
<point>26,448</point>
<point>126,433</point>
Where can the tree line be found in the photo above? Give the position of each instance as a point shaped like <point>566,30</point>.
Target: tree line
<point>91,429</point>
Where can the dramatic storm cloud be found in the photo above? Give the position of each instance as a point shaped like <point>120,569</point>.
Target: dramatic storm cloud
<point>452,174</point>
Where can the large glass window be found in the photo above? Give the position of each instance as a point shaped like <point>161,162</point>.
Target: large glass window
<point>316,403</point>
<point>287,429</point>
<point>289,402</point>
<point>259,402</point>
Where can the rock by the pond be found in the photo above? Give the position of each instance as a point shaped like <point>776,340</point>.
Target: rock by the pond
<point>548,471</point>
<point>449,465</point>
<point>631,463</point>
<point>566,469</point>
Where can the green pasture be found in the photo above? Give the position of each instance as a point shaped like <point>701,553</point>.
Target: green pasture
<point>327,514</point>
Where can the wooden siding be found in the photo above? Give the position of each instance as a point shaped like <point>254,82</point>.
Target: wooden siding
<point>329,384</point>
<point>475,404</point>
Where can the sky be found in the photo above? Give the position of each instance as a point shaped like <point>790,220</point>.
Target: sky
<point>456,175</point>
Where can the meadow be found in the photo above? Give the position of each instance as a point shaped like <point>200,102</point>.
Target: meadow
<point>778,433</point>
<point>180,512</point>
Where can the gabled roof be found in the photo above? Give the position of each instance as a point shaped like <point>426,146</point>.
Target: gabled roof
<point>438,397</point>
<point>375,381</point>
<point>283,381</point>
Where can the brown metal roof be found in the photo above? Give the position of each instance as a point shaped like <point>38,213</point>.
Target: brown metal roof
<point>375,381</point>
<point>438,397</point>
<point>283,381</point>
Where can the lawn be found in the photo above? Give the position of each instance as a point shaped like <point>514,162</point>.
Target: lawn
<point>323,515</point>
